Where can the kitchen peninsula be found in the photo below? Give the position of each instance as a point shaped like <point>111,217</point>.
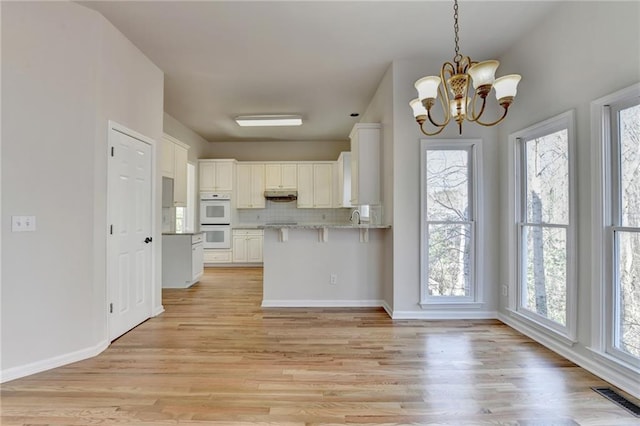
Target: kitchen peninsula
<point>324,265</point>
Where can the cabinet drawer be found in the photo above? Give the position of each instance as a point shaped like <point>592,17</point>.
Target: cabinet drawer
<point>248,232</point>
<point>217,256</point>
<point>196,238</point>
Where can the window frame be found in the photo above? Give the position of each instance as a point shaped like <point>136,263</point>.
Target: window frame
<point>474,149</point>
<point>613,226</point>
<point>567,333</point>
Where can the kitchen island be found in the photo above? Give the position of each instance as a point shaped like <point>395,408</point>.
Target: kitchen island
<point>325,265</point>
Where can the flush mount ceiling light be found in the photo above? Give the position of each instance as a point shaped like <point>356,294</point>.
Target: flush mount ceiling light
<point>455,78</point>
<point>268,120</point>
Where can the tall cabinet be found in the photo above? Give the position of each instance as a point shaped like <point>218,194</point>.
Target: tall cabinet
<point>173,164</point>
<point>365,164</point>
<point>250,191</point>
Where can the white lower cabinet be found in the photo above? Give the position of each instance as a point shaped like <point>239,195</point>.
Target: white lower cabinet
<point>182,259</point>
<point>212,256</point>
<point>247,245</point>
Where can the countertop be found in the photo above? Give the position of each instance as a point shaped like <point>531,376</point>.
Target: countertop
<point>181,233</point>
<point>324,225</point>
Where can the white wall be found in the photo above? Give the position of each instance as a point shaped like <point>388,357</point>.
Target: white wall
<point>65,71</point>
<point>380,110</point>
<point>406,198</point>
<point>278,150</point>
<point>583,51</point>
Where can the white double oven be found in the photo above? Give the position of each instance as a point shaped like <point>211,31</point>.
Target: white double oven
<point>215,219</point>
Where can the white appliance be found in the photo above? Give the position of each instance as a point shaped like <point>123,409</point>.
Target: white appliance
<point>182,260</point>
<point>215,208</point>
<point>216,236</point>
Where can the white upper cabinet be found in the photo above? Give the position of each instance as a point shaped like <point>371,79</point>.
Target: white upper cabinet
<point>216,175</point>
<point>250,191</point>
<point>173,164</point>
<point>281,176</point>
<point>315,185</point>
<point>365,164</point>
<point>343,187</point>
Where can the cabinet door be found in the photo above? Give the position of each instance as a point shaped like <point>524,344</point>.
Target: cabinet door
<point>180,177</point>
<point>197,261</point>
<point>167,162</point>
<point>257,186</point>
<point>273,176</point>
<point>224,176</point>
<point>243,192</point>
<point>289,176</point>
<point>207,175</point>
<point>254,249</point>
<point>239,248</point>
<point>305,186</point>
<point>322,185</point>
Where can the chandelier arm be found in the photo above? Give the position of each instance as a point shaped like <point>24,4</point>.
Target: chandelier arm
<point>440,129</point>
<point>474,117</point>
<point>506,109</point>
<point>446,116</point>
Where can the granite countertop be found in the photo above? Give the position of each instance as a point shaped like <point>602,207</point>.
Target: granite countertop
<point>323,225</point>
<point>181,233</point>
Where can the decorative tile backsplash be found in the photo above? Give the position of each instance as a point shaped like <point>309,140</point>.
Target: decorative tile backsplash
<point>288,212</point>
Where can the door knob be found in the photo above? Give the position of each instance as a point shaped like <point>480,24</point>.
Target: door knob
<point>148,240</point>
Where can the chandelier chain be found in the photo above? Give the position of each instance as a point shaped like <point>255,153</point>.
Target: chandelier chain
<point>457,58</point>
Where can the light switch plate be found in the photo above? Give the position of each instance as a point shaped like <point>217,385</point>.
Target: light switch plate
<point>23,223</point>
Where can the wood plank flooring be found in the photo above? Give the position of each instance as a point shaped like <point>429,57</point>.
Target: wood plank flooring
<point>215,357</point>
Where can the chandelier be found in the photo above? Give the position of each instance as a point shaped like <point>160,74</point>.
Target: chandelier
<point>454,98</point>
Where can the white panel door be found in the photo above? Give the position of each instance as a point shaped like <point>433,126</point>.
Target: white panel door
<point>129,242</point>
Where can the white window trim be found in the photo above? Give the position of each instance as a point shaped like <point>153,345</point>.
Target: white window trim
<point>601,183</point>
<point>565,334</point>
<point>475,299</point>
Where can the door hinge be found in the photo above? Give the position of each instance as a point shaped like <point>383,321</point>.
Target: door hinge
<point>111,229</point>
<point>110,308</point>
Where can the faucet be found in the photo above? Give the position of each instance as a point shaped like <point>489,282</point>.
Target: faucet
<point>353,213</point>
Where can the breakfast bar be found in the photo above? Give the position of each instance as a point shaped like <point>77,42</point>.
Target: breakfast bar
<point>335,265</point>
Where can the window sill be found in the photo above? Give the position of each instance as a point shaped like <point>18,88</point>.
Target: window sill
<point>451,305</point>
<point>613,362</point>
<point>543,329</point>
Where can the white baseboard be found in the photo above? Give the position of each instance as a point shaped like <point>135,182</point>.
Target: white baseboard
<point>157,311</point>
<point>628,382</point>
<point>322,303</point>
<point>47,364</point>
<point>387,308</point>
<point>445,315</point>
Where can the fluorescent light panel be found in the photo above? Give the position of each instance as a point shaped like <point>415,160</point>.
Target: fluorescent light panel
<point>268,120</point>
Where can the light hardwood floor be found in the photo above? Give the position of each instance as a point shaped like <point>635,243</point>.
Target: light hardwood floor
<point>215,357</point>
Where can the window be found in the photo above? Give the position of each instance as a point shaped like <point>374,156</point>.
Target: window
<point>545,283</point>
<point>624,236</point>
<point>448,194</point>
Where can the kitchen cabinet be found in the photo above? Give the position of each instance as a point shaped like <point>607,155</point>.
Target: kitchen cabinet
<point>182,260</point>
<point>343,178</point>
<point>315,185</point>
<point>247,245</point>
<point>173,165</point>
<point>281,176</point>
<point>216,175</point>
<point>250,191</point>
<point>213,256</point>
<point>365,164</point>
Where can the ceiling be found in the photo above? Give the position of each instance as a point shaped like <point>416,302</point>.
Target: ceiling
<point>320,59</point>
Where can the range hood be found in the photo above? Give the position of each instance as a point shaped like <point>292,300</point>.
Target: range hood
<point>281,196</point>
